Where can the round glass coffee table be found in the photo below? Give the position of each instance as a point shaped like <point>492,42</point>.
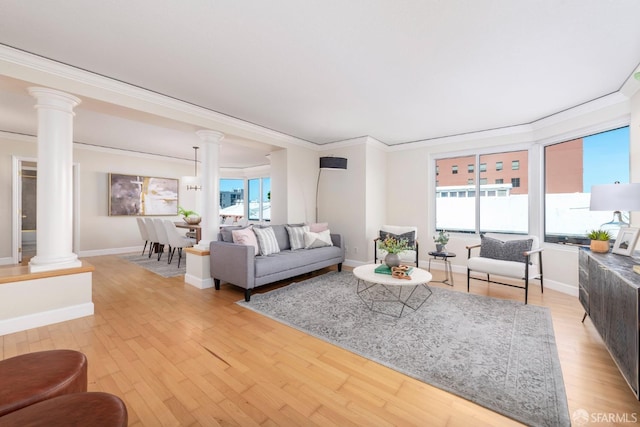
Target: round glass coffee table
<point>385,294</point>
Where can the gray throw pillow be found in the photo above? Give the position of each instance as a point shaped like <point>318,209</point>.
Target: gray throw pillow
<point>409,236</point>
<point>511,250</point>
<point>296,236</point>
<point>226,232</point>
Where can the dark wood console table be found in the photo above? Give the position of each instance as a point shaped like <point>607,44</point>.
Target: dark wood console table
<point>609,291</point>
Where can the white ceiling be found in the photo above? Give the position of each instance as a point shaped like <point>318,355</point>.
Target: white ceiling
<point>329,70</point>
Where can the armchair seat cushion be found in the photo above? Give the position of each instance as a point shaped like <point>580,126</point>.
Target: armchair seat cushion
<point>514,269</point>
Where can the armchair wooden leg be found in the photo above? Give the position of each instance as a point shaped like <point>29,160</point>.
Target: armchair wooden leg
<point>468,278</point>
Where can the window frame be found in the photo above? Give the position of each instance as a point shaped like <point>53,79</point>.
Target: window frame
<point>535,168</point>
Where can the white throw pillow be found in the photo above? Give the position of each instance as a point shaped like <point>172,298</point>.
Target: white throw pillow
<point>267,240</point>
<point>296,236</point>
<point>317,240</point>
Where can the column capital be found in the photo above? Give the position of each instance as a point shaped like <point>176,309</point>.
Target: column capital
<point>207,135</point>
<point>54,99</point>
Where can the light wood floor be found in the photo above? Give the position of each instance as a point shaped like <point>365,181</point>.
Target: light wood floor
<point>180,356</point>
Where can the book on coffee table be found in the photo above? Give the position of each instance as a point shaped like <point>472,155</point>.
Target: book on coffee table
<point>385,269</point>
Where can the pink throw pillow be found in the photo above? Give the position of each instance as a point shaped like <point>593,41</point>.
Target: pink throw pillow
<point>319,227</point>
<point>246,236</point>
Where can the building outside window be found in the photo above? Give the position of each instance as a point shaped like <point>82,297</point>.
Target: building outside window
<point>454,169</point>
<point>471,168</point>
<point>515,165</point>
<point>498,166</point>
<point>515,182</point>
<point>232,198</point>
<point>570,169</point>
<point>502,208</point>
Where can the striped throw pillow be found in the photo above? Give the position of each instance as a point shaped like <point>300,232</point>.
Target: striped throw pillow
<point>296,236</point>
<point>267,241</point>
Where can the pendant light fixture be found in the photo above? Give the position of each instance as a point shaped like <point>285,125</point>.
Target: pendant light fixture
<point>193,182</point>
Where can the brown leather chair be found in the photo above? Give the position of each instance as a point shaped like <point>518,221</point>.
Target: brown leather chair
<point>95,409</point>
<point>33,377</point>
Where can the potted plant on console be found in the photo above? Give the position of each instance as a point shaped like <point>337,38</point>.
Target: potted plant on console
<point>599,241</point>
<point>190,217</point>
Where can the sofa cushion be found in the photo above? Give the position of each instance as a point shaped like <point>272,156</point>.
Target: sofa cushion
<point>267,241</point>
<point>511,250</point>
<point>246,236</point>
<point>317,240</point>
<point>296,236</point>
<point>281,235</point>
<point>289,260</point>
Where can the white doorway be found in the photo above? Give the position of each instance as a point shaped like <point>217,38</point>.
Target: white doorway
<point>25,234</point>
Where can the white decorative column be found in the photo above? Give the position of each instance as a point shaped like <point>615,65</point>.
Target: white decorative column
<point>54,195</point>
<point>210,186</point>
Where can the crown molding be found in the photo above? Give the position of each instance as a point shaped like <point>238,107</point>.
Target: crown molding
<point>38,70</point>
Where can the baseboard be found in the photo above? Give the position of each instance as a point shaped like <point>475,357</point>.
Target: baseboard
<point>22,323</point>
<point>198,282</point>
<point>548,283</point>
<point>111,251</point>
<point>6,261</point>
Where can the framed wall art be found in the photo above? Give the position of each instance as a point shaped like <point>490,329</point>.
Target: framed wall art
<point>626,241</point>
<point>139,195</point>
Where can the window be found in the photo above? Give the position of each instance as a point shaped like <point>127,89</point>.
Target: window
<point>260,199</point>
<point>231,192</point>
<point>498,166</point>
<point>454,169</point>
<point>470,168</point>
<point>501,208</point>
<point>515,182</point>
<point>437,171</point>
<point>570,169</point>
<point>515,165</point>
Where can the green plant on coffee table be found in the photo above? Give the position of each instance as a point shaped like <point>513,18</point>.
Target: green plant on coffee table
<point>393,245</point>
<point>599,235</point>
<point>442,238</point>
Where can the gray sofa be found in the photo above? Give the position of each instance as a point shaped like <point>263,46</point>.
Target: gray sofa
<point>238,265</point>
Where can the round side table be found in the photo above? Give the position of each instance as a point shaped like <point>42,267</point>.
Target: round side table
<point>444,257</point>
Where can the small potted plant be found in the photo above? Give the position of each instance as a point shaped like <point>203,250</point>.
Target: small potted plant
<point>190,217</point>
<point>441,240</point>
<point>599,241</point>
<point>393,247</point>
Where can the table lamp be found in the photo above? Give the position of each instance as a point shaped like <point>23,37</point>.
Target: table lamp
<point>617,198</point>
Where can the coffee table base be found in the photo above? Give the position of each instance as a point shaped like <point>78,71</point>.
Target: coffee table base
<point>393,300</point>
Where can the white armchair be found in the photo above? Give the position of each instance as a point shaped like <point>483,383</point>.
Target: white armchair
<point>398,231</point>
<point>517,259</point>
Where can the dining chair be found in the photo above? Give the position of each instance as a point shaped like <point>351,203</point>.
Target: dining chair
<point>143,233</point>
<point>163,240</point>
<point>176,241</point>
<point>153,236</point>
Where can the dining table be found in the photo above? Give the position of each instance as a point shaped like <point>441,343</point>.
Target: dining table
<point>191,227</point>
